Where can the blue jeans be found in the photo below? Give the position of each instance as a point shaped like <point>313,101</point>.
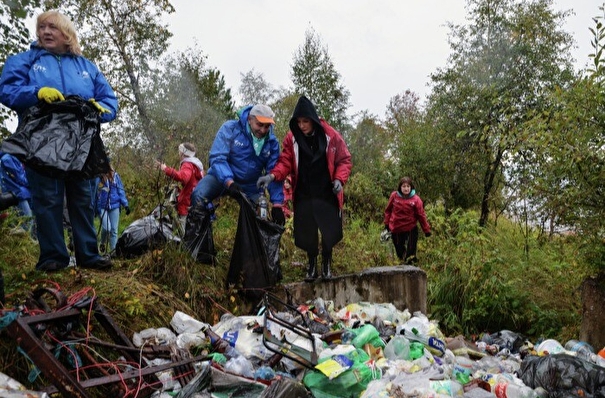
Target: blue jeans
<point>26,212</point>
<point>210,188</point>
<point>110,220</point>
<point>47,202</point>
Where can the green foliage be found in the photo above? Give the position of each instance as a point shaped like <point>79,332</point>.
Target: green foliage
<point>314,75</point>
<point>502,66</point>
<point>481,281</point>
<point>366,197</point>
<point>567,180</point>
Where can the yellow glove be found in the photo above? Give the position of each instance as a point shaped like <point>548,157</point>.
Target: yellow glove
<point>50,94</point>
<point>98,106</point>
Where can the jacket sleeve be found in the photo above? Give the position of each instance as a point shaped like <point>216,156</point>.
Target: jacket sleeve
<point>342,161</point>
<point>421,216</point>
<point>219,153</point>
<point>16,92</point>
<point>105,96</point>
<point>183,175</point>
<point>388,210</point>
<point>283,167</point>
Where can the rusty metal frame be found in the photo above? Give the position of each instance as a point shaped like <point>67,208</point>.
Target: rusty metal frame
<point>280,345</point>
<point>26,330</point>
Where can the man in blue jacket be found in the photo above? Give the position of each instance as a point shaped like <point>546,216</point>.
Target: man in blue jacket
<point>243,150</point>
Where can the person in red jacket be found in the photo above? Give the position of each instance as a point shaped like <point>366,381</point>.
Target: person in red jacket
<point>316,157</point>
<point>401,216</point>
<point>190,173</point>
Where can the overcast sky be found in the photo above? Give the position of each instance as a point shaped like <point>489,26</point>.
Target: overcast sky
<point>379,47</point>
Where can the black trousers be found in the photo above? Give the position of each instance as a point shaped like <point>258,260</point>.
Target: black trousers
<point>405,245</point>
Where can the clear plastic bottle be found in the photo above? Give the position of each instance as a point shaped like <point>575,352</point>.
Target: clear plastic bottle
<point>583,349</point>
<point>434,345</point>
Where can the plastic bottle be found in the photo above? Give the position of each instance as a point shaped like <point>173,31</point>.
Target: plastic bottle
<point>219,344</point>
<point>365,334</point>
<point>434,345</point>
<point>263,206</point>
<point>512,390</point>
<point>583,349</point>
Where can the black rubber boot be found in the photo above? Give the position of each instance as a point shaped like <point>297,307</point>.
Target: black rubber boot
<point>312,271</point>
<point>326,263</point>
<point>7,199</point>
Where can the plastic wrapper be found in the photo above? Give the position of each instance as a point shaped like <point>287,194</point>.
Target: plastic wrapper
<point>398,347</point>
<point>183,323</point>
<point>60,140</point>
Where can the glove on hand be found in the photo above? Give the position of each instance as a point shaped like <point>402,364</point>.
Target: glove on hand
<point>50,94</point>
<point>234,189</point>
<point>277,214</point>
<point>336,187</point>
<point>386,226</point>
<point>427,234</point>
<point>98,106</point>
<point>264,181</point>
<point>127,210</point>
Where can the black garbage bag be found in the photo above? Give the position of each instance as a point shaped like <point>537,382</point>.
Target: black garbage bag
<point>60,140</point>
<point>563,375</point>
<point>198,238</point>
<point>506,339</point>
<point>145,234</point>
<point>255,256</point>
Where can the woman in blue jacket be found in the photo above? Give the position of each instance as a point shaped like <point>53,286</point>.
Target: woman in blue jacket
<point>51,69</point>
<point>111,197</point>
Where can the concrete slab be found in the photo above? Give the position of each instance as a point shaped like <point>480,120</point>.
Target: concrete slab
<point>404,286</point>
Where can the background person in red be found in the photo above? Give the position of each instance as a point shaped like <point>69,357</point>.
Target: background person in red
<point>190,173</point>
<point>319,163</point>
<point>401,216</point>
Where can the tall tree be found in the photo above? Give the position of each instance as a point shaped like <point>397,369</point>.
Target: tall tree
<point>15,38</point>
<point>503,64</point>
<point>125,39</point>
<point>314,75</point>
<point>254,89</point>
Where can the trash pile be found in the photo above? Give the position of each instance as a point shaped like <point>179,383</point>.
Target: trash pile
<point>364,350</point>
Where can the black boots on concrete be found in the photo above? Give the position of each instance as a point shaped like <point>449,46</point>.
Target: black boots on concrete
<point>312,271</point>
<point>326,264</point>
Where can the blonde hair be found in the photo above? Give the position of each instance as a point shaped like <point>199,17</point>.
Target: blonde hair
<point>65,26</point>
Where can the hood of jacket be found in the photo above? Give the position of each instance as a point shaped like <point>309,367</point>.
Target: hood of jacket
<point>304,108</point>
<point>195,161</point>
